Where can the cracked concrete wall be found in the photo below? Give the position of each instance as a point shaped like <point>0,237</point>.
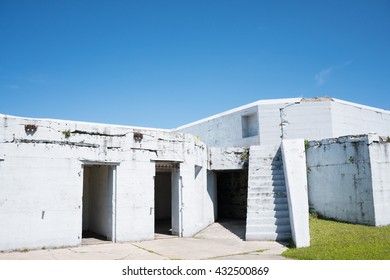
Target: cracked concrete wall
<point>289,117</point>
<point>297,118</point>
<point>307,120</point>
<point>379,149</point>
<point>228,158</point>
<point>339,179</point>
<point>41,179</point>
<point>351,119</point>
<point>226,130</point>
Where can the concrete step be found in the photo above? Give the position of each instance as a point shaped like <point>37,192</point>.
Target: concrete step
<point>263,154</point>
<point>259,195</point>
<point>268,221</point>
<point>263,207</point>
<point>260,167</point>
<point>265,162</point>
<point>267,236</point>
<point>265,185</point>
<point>268,214</point>
<point>253,184</point>
<point>266,177</point>
<point>252,188</point>
<point>266,172</point>
<point>268,228</point>
<point>265,148</point>
<point>267,200</point>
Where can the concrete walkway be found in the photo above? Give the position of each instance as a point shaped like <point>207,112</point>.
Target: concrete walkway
<point>220,241</point>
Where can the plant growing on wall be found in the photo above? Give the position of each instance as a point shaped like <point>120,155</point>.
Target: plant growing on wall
<point>245,155</point>
<point>66,133</point>
<point>307,144</point>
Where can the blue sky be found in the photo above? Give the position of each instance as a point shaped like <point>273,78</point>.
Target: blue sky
<point>167,63</point>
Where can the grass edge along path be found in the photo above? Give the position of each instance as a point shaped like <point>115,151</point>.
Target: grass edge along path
<point>332,240</point>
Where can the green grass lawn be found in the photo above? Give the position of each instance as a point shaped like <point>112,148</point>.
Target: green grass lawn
<point>332,240</point>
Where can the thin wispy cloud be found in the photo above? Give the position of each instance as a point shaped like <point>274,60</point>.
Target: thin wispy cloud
<point>347,63</point>
<point>322,77</point>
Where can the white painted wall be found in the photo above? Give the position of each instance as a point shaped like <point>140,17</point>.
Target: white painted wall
<point>339,179</point>
<point>308,120</point>
<point>194,190</point>
<point>311,119</point>
<point>294,164</point>
<point>41,180</point>
<point>135,198</point>
<point>300,119</point>
<point>228,158</point>
<point>354,119</point>
<point>380,168</point>
<point>211,199</point>
<point>226,130</point>
<point>177,205</point>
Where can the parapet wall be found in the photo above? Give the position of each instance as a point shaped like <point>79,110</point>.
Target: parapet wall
<point>380,169</point>
<point>348,179</point>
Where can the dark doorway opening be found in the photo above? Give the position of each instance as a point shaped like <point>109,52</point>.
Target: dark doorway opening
<point>232,197</point>
<point>163,202</point>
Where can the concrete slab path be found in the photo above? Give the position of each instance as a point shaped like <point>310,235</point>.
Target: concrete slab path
<point>220,241</point>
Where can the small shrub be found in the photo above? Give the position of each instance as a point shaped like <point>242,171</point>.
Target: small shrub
<point>66,133</point>
<point>307,144</point>
<point>245,155</point>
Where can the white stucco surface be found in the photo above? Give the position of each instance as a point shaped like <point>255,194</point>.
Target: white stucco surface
<point>45,172</point>
<point>41,179</point>
<point>295,118</point>
<point>379,150</point>
<point>340,179</point>
<point>228,158</point>
<point>294,163</point>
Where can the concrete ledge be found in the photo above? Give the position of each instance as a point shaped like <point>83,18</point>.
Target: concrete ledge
<point>294,162</point>
<point>228,158</point>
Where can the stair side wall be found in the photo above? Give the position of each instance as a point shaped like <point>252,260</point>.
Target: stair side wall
<point>294,164</point>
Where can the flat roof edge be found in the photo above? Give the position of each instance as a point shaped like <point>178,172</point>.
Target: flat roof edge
<point>85,123</point>
<point>237,109</point>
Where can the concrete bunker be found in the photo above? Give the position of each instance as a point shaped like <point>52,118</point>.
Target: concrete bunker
<point>98,202</point>
<point>167,199</point>
<point>54,214</point>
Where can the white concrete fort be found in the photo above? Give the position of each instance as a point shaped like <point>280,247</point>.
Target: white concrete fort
<point>59,179</point>
<point>265,122</point>
<point>62,181</point>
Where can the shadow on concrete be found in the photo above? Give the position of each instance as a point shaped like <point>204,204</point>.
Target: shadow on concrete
<point>163,229</point>
<point>235,226</point>
<point>91,238</point>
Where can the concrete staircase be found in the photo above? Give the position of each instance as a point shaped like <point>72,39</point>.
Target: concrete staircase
<point>268,214</point>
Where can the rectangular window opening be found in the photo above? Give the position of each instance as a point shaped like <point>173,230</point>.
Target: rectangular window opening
<point>250,125</point>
